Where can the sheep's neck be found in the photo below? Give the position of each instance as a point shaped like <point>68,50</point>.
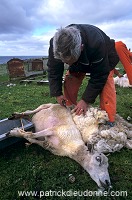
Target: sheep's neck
<point>81,155</point>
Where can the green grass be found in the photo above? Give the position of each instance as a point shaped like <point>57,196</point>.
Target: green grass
<point>35,169</point>
<point>3,73</point>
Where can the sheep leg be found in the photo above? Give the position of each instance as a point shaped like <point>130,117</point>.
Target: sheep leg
<point>43,133</point>
<point>17,132</point>
<point>128,144</point>
<point>45,144</point>
<point>29,112</point>
<point>49,135</point>
<point>124,122</point>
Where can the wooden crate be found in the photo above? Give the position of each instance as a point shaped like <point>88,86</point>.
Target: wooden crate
<point>15,68</point>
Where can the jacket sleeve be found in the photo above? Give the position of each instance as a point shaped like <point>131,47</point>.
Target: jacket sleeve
<point>99,74</point>
<point>55,73</point>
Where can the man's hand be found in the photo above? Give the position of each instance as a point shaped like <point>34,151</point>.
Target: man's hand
<point>61,99</point>
<point>81,107</point>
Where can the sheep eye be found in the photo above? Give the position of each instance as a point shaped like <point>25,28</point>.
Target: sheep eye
<point>98,158</point>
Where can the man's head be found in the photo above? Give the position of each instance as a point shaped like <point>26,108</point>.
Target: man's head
<point>67,44</point>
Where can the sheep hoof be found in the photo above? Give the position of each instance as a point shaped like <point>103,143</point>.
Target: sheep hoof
<point>27,144</point>
<point>110,124</point>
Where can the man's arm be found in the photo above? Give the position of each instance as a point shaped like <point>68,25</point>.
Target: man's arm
<point>55,73</point>
<point>98,78</point>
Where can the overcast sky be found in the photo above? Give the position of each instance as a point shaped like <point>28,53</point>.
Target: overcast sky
<point>26,26</point>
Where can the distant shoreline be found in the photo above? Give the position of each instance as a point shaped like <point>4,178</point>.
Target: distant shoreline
<point>5,59</point>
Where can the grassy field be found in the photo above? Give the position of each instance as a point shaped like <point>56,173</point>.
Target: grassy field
<point>35,169</point>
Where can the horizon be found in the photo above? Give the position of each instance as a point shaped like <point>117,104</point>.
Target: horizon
<point>5,59</point>
<point>22,55</point>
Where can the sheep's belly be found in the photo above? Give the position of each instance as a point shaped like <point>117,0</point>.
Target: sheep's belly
<point>48,119</point>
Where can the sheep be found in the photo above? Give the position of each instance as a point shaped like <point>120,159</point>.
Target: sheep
<point>66,134</point>
<point>122,81</point>
<point>57,132</point>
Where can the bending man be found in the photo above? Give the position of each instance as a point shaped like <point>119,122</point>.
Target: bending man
<point>86,49</point>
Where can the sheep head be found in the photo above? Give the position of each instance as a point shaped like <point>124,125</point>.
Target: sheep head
<point>96,164</point>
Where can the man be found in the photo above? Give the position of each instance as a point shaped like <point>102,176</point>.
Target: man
<point>86,49</point>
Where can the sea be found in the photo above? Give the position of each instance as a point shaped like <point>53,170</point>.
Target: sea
<point>5,59</point>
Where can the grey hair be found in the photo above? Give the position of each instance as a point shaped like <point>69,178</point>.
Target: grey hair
<point>67,43</point>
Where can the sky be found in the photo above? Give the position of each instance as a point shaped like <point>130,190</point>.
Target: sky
<point>26,26</point>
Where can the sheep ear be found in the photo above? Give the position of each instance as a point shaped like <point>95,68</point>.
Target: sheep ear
<point>90,147</point>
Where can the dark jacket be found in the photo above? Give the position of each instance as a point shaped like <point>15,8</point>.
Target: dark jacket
<point>98,58</point>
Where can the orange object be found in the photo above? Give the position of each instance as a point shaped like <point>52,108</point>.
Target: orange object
<point>71,86</point>
<point>125,57</point>
<point>108,97</point>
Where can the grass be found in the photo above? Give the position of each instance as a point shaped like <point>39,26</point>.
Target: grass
<point>35,169</point>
